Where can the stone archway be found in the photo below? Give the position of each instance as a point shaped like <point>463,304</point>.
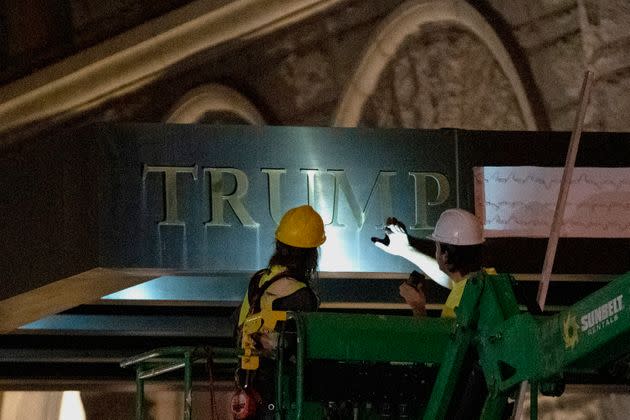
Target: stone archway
<point>436,64</point>
<point>222,101</point>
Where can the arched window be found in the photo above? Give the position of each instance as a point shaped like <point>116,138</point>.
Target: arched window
<point>436,64</point>
<point>214,104</point>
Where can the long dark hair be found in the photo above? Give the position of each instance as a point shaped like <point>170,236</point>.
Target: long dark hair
<point>301,263</point>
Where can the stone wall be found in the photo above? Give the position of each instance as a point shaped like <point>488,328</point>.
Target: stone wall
<point>561,39</point>
<point>441,75</point>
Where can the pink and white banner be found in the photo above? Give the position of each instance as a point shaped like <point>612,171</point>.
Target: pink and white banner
<point>520,201</point>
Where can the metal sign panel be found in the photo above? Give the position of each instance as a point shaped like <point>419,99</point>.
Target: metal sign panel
<point>158,199</point>
<point>209,197</point>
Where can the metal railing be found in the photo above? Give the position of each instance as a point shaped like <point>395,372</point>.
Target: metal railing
<point>167,359</point>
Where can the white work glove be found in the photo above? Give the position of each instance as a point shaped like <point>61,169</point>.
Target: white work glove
<point>398,240</point>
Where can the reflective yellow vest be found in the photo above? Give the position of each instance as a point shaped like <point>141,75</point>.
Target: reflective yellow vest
<point>265,299</point>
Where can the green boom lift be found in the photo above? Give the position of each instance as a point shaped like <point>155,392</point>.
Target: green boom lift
<point>364,366</point>
<point>357,365</point>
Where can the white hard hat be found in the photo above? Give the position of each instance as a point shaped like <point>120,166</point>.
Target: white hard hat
<point>458,227</point>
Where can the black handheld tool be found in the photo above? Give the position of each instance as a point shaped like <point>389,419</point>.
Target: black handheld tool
<point>415,278</point>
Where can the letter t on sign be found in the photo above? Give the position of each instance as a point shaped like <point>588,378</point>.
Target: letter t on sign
<point>170,189</point>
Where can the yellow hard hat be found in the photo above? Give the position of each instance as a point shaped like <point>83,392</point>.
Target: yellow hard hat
<point>301,227</point>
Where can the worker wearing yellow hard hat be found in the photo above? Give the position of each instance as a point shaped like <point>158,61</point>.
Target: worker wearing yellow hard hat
<point>285,284</point>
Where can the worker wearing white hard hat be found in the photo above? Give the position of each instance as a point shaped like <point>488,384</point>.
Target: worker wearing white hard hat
<point>458,237</point>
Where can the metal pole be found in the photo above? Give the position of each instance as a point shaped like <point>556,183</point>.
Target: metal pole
<point>556,224</point>
<point>139,395</point>
<point>187,386</point>
<point>301,353</point>
<point>299,366</point>
<point>279,404</point>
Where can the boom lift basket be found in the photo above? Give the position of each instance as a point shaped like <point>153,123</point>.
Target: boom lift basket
<point>327,362</point>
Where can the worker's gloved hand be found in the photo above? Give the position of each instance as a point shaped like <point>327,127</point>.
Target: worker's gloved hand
<point>396,240</point>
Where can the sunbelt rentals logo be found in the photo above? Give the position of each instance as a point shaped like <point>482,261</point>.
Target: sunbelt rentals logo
<point>592,322</point>
<point>602,316</point>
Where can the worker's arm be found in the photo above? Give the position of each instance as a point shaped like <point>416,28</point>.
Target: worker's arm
<point>399,245</point>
